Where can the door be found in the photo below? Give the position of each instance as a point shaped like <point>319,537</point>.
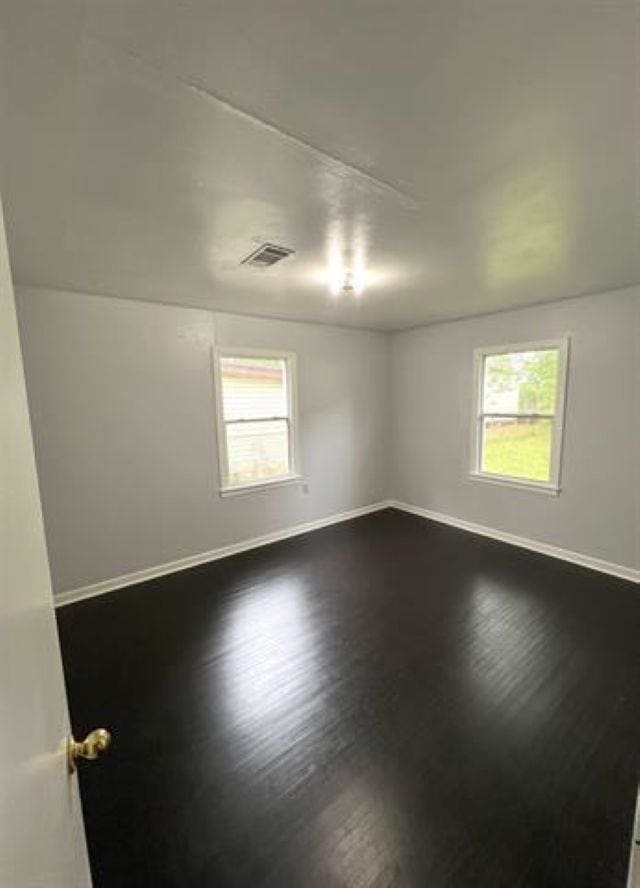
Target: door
<point>42,841</point>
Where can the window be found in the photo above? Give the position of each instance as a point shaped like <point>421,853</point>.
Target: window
<point>518,416</point>
<point>256,418</point>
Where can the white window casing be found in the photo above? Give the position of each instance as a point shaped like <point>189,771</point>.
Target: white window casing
<point>556,418</point>
<point>255,409</point>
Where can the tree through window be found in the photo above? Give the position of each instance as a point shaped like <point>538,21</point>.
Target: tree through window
<point>520,397</point>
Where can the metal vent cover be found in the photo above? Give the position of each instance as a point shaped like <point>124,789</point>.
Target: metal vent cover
<point>266,255</point>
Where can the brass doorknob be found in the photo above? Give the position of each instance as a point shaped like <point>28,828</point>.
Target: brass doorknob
<point>93,745</point>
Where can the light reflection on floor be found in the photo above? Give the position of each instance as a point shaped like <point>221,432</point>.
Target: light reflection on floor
<point>503,622</point>
<point>364,851</point>
<point>271,671</point>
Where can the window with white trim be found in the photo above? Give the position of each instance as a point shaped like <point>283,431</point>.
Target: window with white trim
<point>256,417</point>
<point>519,413</point>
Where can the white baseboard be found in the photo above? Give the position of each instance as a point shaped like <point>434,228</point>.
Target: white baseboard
<point>150,573</point>
<point>608,567</point>
<point>160,570</point>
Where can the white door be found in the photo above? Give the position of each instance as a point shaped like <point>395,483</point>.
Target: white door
<point>42,841</point>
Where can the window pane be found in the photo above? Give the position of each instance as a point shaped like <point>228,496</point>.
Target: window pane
<point>254,388</point>
<point>520,382</point>
<point>257,450</point>
<point>520,448</point>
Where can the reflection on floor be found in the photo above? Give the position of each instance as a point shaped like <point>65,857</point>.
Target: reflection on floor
<point>386,702</point>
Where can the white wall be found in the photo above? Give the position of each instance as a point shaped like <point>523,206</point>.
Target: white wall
<point>121,399</point>
<point>598,510</point>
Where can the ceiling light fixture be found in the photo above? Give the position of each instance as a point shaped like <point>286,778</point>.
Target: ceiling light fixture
<point>345,274</point>
<point>346,281</point>
<point>358,274</point>
<point>351,285</point>
<point>335,271</point>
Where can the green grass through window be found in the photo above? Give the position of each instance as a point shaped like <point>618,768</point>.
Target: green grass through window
<point>519,449</point>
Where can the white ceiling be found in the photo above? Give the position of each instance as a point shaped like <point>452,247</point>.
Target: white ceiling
<point>474,155</point>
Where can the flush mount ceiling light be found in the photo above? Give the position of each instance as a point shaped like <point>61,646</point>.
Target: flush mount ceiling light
<point>346,281</point>
<point>347,251</point>
<point>350,285</point>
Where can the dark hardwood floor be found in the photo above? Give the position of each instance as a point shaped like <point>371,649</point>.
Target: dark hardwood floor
<point>385,702</point>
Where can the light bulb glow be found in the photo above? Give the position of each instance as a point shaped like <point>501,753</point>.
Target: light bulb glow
<point>345,274</point>
<point>335,271</point>
<point>358,277</point>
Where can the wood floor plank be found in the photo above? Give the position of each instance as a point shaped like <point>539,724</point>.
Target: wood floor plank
<point>385,702</point>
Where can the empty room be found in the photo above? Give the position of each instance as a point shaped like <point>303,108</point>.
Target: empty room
<point>320,443</point>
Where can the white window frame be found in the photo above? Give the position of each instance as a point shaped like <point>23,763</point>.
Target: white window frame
<point>293,476</point>
<point>552,486</point>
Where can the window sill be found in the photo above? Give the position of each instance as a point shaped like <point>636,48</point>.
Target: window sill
<point>505,481</point>
<point>243,489</point>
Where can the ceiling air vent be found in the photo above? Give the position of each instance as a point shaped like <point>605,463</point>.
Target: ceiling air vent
<point>266,255</point>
